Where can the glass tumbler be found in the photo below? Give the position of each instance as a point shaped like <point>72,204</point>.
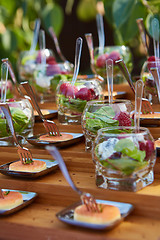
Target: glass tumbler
<point>72,99</point>
<point>150,89</point>
<point>23,120</point>
<point>46,78</point>
<point>100,114</point>
<point>28,61</point>
<point>124,158</point>
<point>115,53</point>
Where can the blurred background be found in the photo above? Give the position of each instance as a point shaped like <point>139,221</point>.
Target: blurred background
<point>71,19</point>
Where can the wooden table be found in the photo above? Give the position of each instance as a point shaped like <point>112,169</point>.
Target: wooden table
<point>38,220</point>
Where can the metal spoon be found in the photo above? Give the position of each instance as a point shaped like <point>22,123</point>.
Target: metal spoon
<point>138,103</point>
<point>155,33</point>
<point>78,50</point>
<point>4,78</point>
<point>35,35</point>
<point>109,68</point>
<point>100,28</point>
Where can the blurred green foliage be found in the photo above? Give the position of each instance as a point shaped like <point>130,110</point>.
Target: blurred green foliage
<point>17,19</point>
<point>121,15</point>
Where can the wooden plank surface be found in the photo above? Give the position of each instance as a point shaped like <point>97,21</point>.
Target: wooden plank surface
<point>38,221</point>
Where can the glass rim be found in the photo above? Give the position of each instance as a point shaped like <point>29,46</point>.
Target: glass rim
<point>35,51</point>
<point>157,61</point>
<point>113,46</point>
<point>18,100</point>
<point>79,80</point>
<point>95,102</point>
<point>47,64</point>
<point>143,131</point>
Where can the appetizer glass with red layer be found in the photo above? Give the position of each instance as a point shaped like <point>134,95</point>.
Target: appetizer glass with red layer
<point>150,89</point>
<point>23,119</point>
<point>72,99</point>
<point>100,114</point>
<point>124,158</point>
<point>115,53</point>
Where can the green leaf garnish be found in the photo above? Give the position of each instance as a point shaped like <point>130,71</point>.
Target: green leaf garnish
<point>28,161</point>
<point>101,118</point>
<point>76,105</point>
<point>125,164</point>
<point>127,147</point>
<point>6,193</point>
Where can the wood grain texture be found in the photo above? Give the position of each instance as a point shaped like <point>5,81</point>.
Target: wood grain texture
<point>38,220</point>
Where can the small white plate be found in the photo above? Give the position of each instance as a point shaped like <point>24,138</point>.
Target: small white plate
<point>28,197</point>
<point>51,165</point>
<point>34,140</point>
<point>66,215</point>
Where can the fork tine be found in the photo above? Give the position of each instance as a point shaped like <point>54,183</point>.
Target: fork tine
<point>1,193</point>
<point>24,158</point>
<point>57,130</point>
<point>149,107</point>
<point>29,155</point>
<point>20,156</point>
<point>90,202</point>
<point>51,128</point>
<point>24,155</point>
<point>146,107</point>
<point>48,129</point>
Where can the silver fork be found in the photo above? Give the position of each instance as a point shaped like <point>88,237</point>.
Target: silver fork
<point>146,106</point>
<point>50,126</point>
<point>24,153</point>
<point>55,39</point>
<point>86,198</point>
